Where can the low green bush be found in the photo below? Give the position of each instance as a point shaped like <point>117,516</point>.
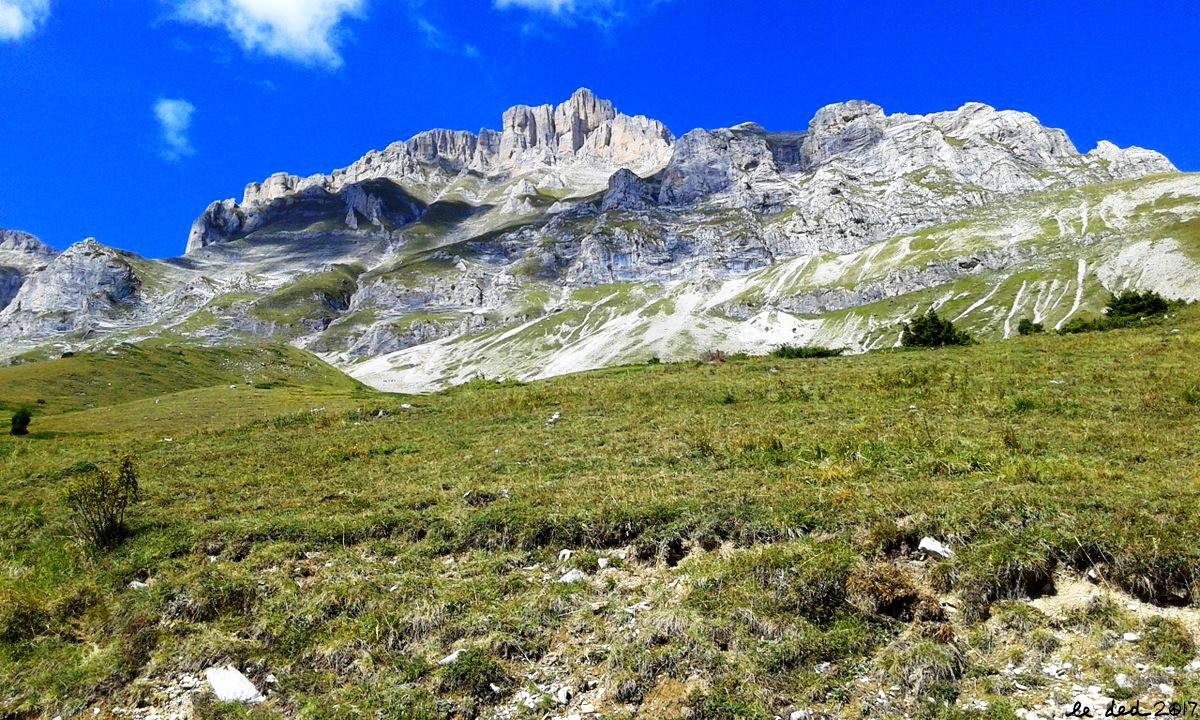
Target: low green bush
<point>1029,327</point>
<point>929,330</point>
<point>1123,310</point>
<point>1133,305</point>
<point>792,352</point>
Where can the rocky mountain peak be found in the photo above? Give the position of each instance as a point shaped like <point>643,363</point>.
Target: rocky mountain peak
<point>839,115</point>
<point>577,144</point>
<point>558,131</point>
<point>15,241</point>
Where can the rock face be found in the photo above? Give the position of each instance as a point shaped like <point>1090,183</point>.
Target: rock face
<point>378,205</point>
<point>606,239</point>
<point>21,255</point>
<point>76,287</point>
<point>577,144</point>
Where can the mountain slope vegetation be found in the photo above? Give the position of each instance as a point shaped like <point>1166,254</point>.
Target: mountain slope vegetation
<point>745,534</point>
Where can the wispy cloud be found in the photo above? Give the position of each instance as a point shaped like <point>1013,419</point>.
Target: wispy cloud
<point>175,124</point>
<point>304,31</point>
<point>605,13</point>
<point>553,6</point>
<point>438,39</point>
<point>19,18</point>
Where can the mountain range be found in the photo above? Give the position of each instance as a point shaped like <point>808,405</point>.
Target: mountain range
<point>578,237</point>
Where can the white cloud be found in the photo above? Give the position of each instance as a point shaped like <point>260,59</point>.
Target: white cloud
<point>306,31</point>
<point>552,6</point>
<point>606,13</point>
<point>175,122</point>
<point>19,18</point>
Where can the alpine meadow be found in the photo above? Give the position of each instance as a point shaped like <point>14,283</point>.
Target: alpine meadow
<point>886,415</point>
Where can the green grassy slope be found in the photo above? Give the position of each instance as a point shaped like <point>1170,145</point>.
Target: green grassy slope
<point>130,372</point>
<point>346,550</point>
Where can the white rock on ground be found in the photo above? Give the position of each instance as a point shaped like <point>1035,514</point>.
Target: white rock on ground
<point>230,685</point>
<point>573,576</point>
<point>452,657</point>
<point>933,547</point>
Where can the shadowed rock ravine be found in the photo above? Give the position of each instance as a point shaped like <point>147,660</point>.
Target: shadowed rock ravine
<point>577,237</point>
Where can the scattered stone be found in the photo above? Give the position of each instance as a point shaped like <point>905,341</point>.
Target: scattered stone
<point>602,562</point>
<point>573,576</point>
<point>933,547</point>
<point>563,696</point>
<point>452,657</point>
<point>553,419</point>
<point>564,555</point>
<point>406,406</point>
<point>1131,637</point>
<point>138,585</point>
<point>230,685</point>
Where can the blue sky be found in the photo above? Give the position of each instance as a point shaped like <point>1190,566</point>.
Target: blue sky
<point>123,119</point>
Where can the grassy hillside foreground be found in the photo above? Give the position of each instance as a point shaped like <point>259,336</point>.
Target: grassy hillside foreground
<point>746,535</point>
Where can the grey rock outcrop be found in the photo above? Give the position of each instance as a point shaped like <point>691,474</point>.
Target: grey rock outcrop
<point>377,205</point>
<point>21,255</point>
<point>627,191</point>
<point>78,287</point>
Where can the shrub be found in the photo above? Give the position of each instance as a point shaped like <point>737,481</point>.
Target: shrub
<point>1080,325</point>
<point>929,330</point>
<point>1123,309</point>
<point>20,422</point>
<point>1029,327</point>
<point>791,352</point>
<point>1132,305</point>
<point>98,501</point>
